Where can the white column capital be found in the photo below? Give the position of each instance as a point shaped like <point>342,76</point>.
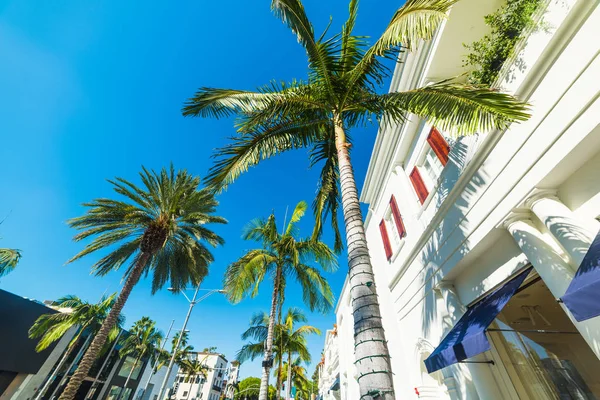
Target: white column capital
<point>445,286</point>
<point>540,194</point>
<point>516,215</point>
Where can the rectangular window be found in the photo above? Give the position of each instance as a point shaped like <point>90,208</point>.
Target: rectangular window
<point>419,185</point>
<point>126,368</point>
<point>438,145</point>
<point>386,240</point>
<point>433,167</point>
<point>401,230</point>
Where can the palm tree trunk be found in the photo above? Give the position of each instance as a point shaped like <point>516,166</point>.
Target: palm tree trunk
<point>264,380</point>
<point>66,376</point>
<point>52,377</point>
<point>129,376</point>
<point>371,351</point>
<point>288,392</point>
<point>95,384</point>
<point>92,353</point>
<point>279,316</point>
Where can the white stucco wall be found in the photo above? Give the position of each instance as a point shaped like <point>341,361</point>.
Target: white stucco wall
<point>457,234</point>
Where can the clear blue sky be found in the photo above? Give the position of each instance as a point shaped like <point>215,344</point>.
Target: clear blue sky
<point>90,90</point>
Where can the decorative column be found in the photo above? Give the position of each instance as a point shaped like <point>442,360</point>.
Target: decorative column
<point>554,271</point>
<point>481,374</point>
<point>575,235</point>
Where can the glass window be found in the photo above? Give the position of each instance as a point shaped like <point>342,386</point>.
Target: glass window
<point>544,354</point>
<point>115,391</point>
<point>185,393</point>
<point>126,368</point>
<point>433,167</point>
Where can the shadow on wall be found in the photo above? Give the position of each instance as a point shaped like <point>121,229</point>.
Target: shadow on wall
<point>450,232</point>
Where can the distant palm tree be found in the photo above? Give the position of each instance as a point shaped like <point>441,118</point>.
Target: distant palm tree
<point>295,375</point>
<point>343,91</point>
<point>184,348</point>
<point>193,369</point>
<point>162,226</point>
<point>143,340</point>
<point>282,255</point>
<point>86,318</point>
<point>287,340</point>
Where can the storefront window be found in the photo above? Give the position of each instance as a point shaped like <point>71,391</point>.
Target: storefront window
<point>544,354</point>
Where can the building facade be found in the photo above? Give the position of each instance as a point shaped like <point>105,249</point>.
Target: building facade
<point>24,372</point>
<point>209,387</point>
<point>329,367</point>
<point>475,240</point>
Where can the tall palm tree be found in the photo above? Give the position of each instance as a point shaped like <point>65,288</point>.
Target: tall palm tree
<point>78,314</point>
<point>193,369</point>
<point>184,348</point>
<point>161,227</point>
<point>287,340</point>
<point>345,75</point>
<point>282,255</point>
<point>143,340</point>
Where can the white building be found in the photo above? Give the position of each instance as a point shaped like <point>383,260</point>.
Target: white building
<point>197,387</point>
<point>233,376</point>
<point>451,238</point>
<point>329,367</point>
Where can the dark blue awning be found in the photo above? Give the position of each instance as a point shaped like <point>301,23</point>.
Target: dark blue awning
<point>336,383</point>
<point>467,338</point>
<point>582,297</point>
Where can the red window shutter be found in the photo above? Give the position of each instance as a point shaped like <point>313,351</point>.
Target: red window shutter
<point>386,240</point>
<point>419,185</point>
<point>397,217</point>
<point>439,145</point>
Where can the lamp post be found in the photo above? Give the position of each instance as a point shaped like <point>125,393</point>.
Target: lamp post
<point>195,300</point>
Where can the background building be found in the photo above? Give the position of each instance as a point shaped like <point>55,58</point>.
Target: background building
<point>329,367</point>
<point>209,387</point>
<point>494,225</point>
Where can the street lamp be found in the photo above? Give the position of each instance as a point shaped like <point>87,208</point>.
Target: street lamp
<point>195,300</point>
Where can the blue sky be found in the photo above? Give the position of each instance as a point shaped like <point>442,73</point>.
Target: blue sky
<point>91,90</point>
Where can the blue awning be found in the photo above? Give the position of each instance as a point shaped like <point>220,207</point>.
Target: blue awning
<point>582,297</point>
<point>467,338</point>
<point>336,383</point>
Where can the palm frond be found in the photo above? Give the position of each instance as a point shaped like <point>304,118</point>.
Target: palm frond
<point>457,108</point>
<point>9,258</point>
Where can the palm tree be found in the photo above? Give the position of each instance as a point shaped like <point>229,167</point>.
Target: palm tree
<point>341,93</point>
<point>281,255</point>
<point>295,374</point>
<point>184,348</point>
<point>161,227</point>
<point>295,340</point>
<point>287,341</point>
<point>143,340</point>
<point>193,369</point>
<point>78,314</point>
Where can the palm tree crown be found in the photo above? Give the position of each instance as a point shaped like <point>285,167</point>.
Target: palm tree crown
<point>87,316</point>
<point>143,339</point>
<point>344,75</point>
<point>282,255</point>
<point>165,220</point>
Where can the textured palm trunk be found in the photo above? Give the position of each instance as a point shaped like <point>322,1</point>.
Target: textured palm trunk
<point>264,380</point>
<point>372,358</point>
<point>95,384</point>
<point>64,379</point>
<point>121,396</point>
<point>92,353</point>
<point>279,364</point>
<point>288,387</point>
